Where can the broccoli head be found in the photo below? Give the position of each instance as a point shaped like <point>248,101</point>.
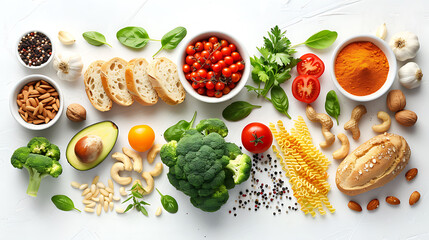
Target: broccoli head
<point>210,125</point>
<point>38,165</point>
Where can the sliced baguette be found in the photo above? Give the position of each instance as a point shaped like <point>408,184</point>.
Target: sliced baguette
<point>94,88</point>
<point>113,79</point>
<point>165,81</point>
<point>138,82</point>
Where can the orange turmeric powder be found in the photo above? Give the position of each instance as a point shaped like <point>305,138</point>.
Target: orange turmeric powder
<point>361,68</point>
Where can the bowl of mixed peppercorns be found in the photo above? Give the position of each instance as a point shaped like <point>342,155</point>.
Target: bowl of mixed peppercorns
<point>35,50</point>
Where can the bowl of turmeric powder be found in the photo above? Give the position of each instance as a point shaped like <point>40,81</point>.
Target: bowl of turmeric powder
<point>363,68</point>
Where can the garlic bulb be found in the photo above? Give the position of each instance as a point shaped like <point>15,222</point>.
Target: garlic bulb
<point>68,68</point>
<point>410,75</point>
<point>405,45</point>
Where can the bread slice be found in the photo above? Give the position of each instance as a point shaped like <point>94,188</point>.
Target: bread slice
<point>94,88</point>
<point>165,81</point>
<point>113,79</point>
<point>138,82</point>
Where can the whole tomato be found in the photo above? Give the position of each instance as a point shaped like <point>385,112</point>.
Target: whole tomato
<point>256,137</point>
<point>141,137</point>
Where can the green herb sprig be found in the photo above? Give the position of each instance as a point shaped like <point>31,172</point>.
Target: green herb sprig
<point>63,203</point>
<point>136,197</point>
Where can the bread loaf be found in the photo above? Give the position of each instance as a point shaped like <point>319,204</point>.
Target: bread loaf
<point>94,88</point>
<point>113,79</point>
<point>138,82</point>
<point>373,164</point>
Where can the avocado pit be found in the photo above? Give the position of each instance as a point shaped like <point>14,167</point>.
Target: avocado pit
<point>88,148</point>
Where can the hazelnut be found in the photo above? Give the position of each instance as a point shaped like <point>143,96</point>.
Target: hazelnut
<point>76,113</point>
<point>88,148</point>
<point>396,100</point>
<point>406,118</point>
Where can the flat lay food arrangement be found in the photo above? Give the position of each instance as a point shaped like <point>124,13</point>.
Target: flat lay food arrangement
<point>182,125</point>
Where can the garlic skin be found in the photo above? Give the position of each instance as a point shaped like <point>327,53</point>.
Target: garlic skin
<point>410,75</point>
<point>69,68</point>
<point>405,45</point>
<point>66,38</point>
<point>381,31</point>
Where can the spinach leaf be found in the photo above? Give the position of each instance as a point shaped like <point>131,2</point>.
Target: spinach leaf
<point>171,39</point>
<point>321,40</point>
<point>238,110</point>
<point>133,37</point>
<point>279,100</point>
<point>332,105</point>
<point>176,131</point>
<point>63,203</point>
<point>95,38</point>
<point>169,203</point>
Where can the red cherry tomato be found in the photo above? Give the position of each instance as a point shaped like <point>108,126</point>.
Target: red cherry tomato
<point>196,66</point>
<point>210,75</point>
<point>228,60</point>
<point>190,60</point>
<point>202,73</point>
<point>188,76</point>
<point>256,137</point>
<point>198,57</point>
<point>226,72</point>
<point>234,68</point>
<point>199,46</point>
<point>213,40</point>
<point>240,65</point>
<point>190,50</point>
<point>220,86</point>
<point>205,54</point>
<point>306,88</point>
<point>236,56</point>
<point>235,77</point>
<point>195,85</point>
<point>218,94</point>
<point>210,85</point>
<point>226,51</point>
<point>201,91</point>
<point>232,47</point>
<point>310,64</point>
<point>210,92</point>
<point>207,64</point>
<point>186,68</point>
<point>222,63</point>
<point>218,55</point>
<point>223,43</point>
<point>231,85</point>
<point>217,68</point>
<point>226,90</point>
<point>208,46</point>
<point>201,85</point>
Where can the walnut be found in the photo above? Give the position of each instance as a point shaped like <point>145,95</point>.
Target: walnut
<point>396,100</point>
<point>76,113</point>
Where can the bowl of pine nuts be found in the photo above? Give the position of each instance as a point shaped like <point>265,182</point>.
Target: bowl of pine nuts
<point>36,102</point>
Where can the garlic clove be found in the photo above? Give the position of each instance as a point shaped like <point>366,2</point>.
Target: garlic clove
<point>410,75</point>
<point>404,45</point>
<point>66,38</point>
<point>381,31</point>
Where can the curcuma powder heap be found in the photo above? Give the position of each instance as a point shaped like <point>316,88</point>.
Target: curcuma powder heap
<point>34,49</point>
<point>267,191</point>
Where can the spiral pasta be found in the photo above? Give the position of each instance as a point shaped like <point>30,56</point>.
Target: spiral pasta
<point>304,165</point>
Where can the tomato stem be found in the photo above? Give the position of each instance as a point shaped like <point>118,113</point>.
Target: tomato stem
<point>257,139</point>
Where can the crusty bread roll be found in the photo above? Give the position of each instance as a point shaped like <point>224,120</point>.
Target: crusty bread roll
<point>373,164</point>
<point>165,80</point>
<point>94,88</point>
<point>113,79</point>
<point>138,82</point>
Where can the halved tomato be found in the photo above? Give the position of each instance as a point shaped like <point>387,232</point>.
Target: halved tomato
<point>310,64</point>
<point>306,88</point>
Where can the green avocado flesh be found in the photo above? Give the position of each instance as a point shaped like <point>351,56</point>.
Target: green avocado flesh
<point>107,131</point>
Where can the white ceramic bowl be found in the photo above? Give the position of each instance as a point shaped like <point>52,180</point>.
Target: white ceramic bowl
<point>13,106</point>
<point>240,49</point>
<point>34,67</point>
<point>390,58</point>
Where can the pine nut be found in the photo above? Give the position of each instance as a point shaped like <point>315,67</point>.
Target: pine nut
<point>75,184</point>
<point>158,211</point>
<point>100,185</point>
<point>95,180</point>
<point>110,183</point>
<point>86,201</point>
<point>95,199</point>
<point>109,190</point>
<point>86,191</point>
<point>89,210</point>
<point>116,198</point>
<point>98,209</point>
<point>96,193</point>
<point>111,206</point>
<point>93,187</point>
<point>122,191</point>
<point>91,205</point>
<point>83,186</point>
<point>101,200</point>
<point>110,197</point>
<point>106,206</point>
<point>119,210</point>
<point>104,192</point>
<point>88,196</point>
<point>106,199</point>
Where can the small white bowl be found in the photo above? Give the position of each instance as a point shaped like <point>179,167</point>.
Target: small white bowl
<point>13,106</point>
<point>34,67</point>
<point>390,58</point>
<point>240,48</point>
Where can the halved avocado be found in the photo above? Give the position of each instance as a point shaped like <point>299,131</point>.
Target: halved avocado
<point>106,130</point>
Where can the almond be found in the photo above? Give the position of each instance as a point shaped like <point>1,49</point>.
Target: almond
<point>415,197</point>
<point>392,200</point>
<point>373,204</point>
<point>406,118</point>
<point>354,206</point>
<point>411,174</point>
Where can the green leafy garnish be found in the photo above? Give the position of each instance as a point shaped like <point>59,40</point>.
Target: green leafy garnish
<point>63,203</point>
<point>133,37</point>
<point>169,203</point>
<point>279,100</point>
<point>135,195</point>
<point>321,40</point>
<point>171,39</point>
<point>332,105</point>
<point>238,110</point>
<point>177,131</point>
<point>95,38</point>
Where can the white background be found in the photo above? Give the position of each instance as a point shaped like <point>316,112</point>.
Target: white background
<point>22,217</point>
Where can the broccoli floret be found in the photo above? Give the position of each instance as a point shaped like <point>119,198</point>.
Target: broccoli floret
<point>240,166</point>
<point>168,153</point>
<point>53,152</point>
<point>211,125</point>
<point>233,150</point>
<point>19,157</point>
<point>212,203</point>
<point>38,145</point>
<point>229,179</point>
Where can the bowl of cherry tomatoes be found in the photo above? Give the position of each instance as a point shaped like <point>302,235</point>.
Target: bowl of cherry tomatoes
<point>213,67</point>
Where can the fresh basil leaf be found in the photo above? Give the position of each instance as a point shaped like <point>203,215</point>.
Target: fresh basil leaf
<point>332,105</point>
<point>143,210</point>
<point>133,37</point>
<point>144,203</point>
<point>171,39</point>
<point>95,38</point>
<point>63,203</point>
<point>176,131</point>
<point>282,77</point>
<point>322,39</point>
<point>129,208</point>
<point>137,194</point>
<point>168,202</point>
<point>238,110</point>
<point>279,100</point>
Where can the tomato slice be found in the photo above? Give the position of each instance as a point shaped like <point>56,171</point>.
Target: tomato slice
<point>310,64</point>
<point>306,88</point>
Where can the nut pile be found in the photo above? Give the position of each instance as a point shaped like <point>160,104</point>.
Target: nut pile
<point>34,49</point>
<point>97,196</point>
<point>396,103</point>
<point>38,102</point>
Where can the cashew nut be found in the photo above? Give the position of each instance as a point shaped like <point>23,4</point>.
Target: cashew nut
<point>326,123</point>
<point>114,173</point>
<point>383,127</point>
<point>353,123</point>
<point>345,147</point>
<point>125,159</point>
<point>149,181</point>
<point>157,170</point>
<point>153,152</point>
<point>137,160</point>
